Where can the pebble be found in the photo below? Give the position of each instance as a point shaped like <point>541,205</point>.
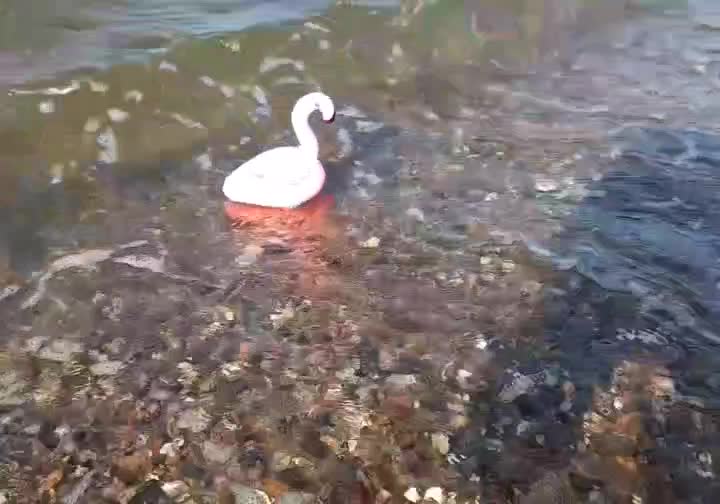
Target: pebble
<point>412,494</point>
<point>270,63</point>
<point>131,468</point>
<point>296,498</point>
<point>401,380</point>
<point>462,377</point>
<point>430,115</point>
<point>247,495</point>
<point>56,173</point>
<point>383,496</point>
<point>187,122</point>
<point>34,344</point>
<point>98,87</point>
<point>372,242</point>
<point>175,489</point>
<point>315,26</point>
<point>217,453</point>
<point>227,91</point>
<point>508,266</point>
<point>46,107</point>
<point>280,461</point>
<point>233,45</point>
<point>196,420</point>
<point>9,290</point>
<point>324,44</point>
<point>372,179</point>
<point>172,449</point>
<point>92,125</point>
<point>106,368</point>
<point>60,350</point>
<point>117,115</point>
<point>232,371</point>
<point>12,388</point>
<point>250,255</point>
<point>204,161</point>
<point>458,422</point>
<point>519,386</point>
<point>167,66</point>
<point>436,494</point>
<point>108,144</point>
<point>144,262</point>
<point>208,81</point>
<point>188,374</point>
<point>260,95</point>
<point>134,95</point>
<point>546,185</point>
<point>441,442</point>
<point>150,492</point>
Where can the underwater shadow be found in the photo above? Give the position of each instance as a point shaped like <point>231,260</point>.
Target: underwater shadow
<point>632,328</point>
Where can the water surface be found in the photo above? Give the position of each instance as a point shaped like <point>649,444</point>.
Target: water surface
<point>514,299</point>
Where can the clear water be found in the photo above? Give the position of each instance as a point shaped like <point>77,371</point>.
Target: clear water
<point>514,298</point>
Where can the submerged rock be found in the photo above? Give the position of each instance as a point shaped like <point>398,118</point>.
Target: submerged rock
<point>12,389</point>
<point>520,385</point>
<point>441,442</point>
<point>60,350</point>
<point>196,420</point>
<point>131,468</point>
<point>400,380</point>
<point>613,444</point>
<point>412,494</point>
<point>297,498</point>
<point>175,489</point>
<point>436,494</point>
<point>216,453</point>
<point>552,488</point>
<point>248,495</point>
<point>151,493</point>
<point>106,368</point>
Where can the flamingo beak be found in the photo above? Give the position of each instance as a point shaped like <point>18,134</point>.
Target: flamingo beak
<point>332,119</point>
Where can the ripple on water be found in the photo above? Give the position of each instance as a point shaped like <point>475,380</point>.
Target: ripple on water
<point>656,227</point>
<point>420,351</point>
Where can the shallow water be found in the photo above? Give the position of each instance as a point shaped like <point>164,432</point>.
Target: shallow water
<point>514,298</point>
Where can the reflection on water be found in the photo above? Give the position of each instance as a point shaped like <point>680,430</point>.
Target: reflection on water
<point>513,296</point>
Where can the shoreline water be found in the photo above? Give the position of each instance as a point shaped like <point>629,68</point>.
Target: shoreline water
<point>514,301</point>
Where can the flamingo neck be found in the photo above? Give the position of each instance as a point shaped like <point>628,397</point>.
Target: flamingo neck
<point>299,117</point>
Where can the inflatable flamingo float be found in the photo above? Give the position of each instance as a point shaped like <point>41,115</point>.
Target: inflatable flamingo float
<point>283,184</point>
